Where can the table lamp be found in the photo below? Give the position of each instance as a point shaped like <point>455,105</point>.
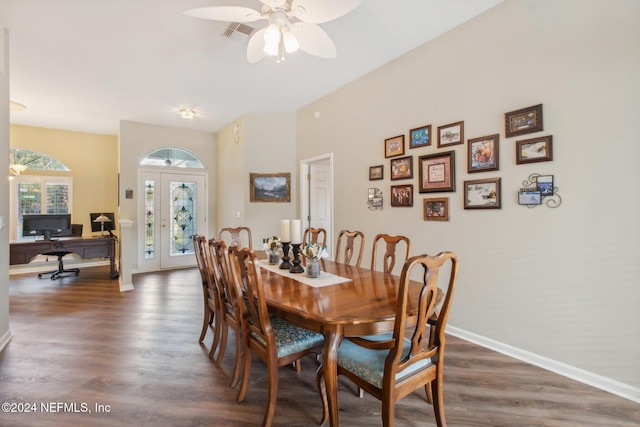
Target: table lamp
<point>102,219</point>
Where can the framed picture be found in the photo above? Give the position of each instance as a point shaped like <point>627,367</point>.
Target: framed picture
<point>451,134</point>
<point>534,150</point>
<point>402,195</point>
<point>420,137</point>
<point>402,168</point>
<point>483,194</point>
<point>394,146</point>
<point>437,172</point>
<point>545,185</point>
<point>376,172</point>
<point>436,209</point>
<point>529,198</point>
<point>270,187</point>
<point>483,154</point>
<point>525,120</point>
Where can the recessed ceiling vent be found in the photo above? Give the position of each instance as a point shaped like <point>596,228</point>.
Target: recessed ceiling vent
<point>237,29</point>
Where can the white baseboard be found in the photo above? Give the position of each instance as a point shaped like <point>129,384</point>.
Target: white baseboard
<point>607,384</point>
<point>6,337</point>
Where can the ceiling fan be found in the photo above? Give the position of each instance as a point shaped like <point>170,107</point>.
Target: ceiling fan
<point>292,25</point>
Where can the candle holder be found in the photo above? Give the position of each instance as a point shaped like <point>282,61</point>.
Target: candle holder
<point>296,268</point>
<point>285,264</point>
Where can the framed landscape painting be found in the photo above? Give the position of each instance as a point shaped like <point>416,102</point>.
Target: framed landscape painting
<point>270,187</point>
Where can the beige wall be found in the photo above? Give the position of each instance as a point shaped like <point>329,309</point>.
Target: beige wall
<point>559,284</point>
<point>92,160</point>
<point>265,144</point>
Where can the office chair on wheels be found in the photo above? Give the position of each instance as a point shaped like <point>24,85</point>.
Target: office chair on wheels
<point>76,230</point>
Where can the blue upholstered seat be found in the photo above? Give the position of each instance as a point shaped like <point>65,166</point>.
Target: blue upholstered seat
<point>290,338</point>
<point>368,364</point>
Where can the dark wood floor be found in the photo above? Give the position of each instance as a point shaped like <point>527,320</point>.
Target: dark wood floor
<point>80,340</point>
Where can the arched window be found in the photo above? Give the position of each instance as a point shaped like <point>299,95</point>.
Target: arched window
<point>172,157</point>
<point>23,159</point>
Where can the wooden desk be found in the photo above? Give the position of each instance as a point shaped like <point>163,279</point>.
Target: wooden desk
<point>22,252</point>
<point>362,307</point>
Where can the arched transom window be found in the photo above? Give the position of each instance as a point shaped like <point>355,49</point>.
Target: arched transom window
<point>172,157</point>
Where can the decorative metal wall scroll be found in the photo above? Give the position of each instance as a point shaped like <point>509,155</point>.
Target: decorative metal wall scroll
<point>537,190</point>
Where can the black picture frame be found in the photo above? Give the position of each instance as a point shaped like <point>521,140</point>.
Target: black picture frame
<point>483,154</point>
<point>437,172</point>
<point>420,137</point>
<point>376,172</point>
<point>483,193</point>
<point>401,168</point>
<point>402,195</point>
<point>523,121</point>
<point>534,150</point>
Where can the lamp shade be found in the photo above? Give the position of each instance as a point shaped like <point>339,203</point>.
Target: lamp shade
<point>102,218</point>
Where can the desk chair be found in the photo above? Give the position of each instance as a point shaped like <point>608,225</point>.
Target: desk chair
<point>76,230</point>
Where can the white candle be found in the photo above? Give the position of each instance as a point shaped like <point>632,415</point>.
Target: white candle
<point>296,231</point>
<point>284,230</point>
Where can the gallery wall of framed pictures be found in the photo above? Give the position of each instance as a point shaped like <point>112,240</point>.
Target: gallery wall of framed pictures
<point>436,164</point>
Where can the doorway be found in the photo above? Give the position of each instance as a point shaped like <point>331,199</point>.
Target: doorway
<point>172,209</point>
<point>316,194</point>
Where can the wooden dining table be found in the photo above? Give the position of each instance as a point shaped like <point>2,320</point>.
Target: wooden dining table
<point>363,305</point>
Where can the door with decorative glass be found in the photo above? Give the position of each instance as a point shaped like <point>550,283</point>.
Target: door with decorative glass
<point>174,209</point>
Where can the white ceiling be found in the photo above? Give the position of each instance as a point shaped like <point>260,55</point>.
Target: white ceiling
<point>84,65</point>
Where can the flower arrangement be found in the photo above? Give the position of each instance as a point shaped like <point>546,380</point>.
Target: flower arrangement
<point>271,243</point>
<point>314,251</point>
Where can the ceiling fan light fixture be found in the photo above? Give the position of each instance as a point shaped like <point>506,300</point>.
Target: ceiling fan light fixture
<point>290,41</point>
<point>272,35</point>
<point>187,113</point>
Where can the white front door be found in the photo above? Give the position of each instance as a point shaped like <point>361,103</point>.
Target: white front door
<point>173,210</point>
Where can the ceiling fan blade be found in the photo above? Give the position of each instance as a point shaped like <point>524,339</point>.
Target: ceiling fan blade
<point>314,40</point>
<point>255,50</point>
<point>317,12</point>
<point>225,13</point>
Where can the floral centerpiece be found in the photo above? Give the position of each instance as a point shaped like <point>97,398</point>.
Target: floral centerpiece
<point>271,246</point>
<point>314,252</point>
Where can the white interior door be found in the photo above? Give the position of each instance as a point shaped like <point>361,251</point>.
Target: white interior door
<point>174,208</point>
<point>317,195</point>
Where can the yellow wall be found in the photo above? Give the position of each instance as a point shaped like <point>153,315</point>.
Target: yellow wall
<point>91,158</point>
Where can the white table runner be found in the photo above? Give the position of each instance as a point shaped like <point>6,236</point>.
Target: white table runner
<point>325,279</point>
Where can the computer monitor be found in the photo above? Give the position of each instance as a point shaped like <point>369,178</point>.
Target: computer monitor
<point>46,225</point>
<point>96,227</point>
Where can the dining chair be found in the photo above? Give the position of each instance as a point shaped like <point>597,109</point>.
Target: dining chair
<point>349,239</point>
<point>314,234</point>
<point>207,321</point>
<point>391,245</point>
<point>275,341</point>
<point>235,234</point>
<point>395,364</point>
<point>228,310</point>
